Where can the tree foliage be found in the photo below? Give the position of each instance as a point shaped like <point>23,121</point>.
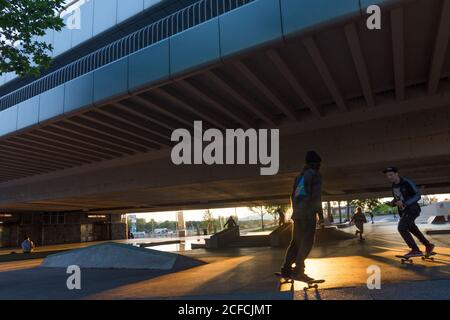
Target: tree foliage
<point>275,211</point>
<point>366,204</point>
<point>22,22</point>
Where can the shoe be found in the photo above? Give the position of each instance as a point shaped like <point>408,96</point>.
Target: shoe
<point>285,273</point>
<point>302,277</point>
<point>414,253</point>
<point>429,249</point>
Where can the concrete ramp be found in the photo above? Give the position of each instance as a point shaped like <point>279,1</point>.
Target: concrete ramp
<point>112,255</point>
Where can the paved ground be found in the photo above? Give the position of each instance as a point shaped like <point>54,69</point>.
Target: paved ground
<point>248,274</point>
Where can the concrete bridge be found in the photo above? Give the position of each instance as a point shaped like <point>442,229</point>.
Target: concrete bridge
<point>93,136</point>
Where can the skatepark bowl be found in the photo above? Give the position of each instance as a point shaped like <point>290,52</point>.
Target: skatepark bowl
<point>243,273</point>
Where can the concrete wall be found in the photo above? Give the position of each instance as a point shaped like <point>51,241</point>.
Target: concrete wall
<point>77,227</point>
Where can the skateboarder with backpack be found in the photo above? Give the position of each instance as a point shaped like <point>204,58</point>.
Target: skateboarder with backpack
<point>306,199</point>
<point>406,197</point>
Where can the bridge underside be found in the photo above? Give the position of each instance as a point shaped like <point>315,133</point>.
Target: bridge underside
<point>363,99</point>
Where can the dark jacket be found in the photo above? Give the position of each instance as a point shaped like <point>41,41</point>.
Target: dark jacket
<point>410,194</point>
<point>308,205</point>
<point>358,218</point>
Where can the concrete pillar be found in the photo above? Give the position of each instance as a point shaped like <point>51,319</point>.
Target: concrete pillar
<point>181,224</point>
<point>329,212</point>
<point>340,213</point>
<point>348,210</point>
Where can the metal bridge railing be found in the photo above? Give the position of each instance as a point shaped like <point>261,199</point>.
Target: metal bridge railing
<point>177,22</point>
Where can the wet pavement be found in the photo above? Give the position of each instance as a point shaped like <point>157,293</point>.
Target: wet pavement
<point>247,273</point>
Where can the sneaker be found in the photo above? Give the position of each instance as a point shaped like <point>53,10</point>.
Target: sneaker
<point>285,273</point>
<point>302,277</point>
<point>414,253</point>
<point>429,249</point>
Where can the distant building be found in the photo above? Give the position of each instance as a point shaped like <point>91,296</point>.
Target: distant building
<point>435,209</point>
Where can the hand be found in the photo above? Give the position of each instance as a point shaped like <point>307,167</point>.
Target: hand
<point>400,204</point>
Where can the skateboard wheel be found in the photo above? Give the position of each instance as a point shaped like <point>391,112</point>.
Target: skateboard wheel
<point>423,258</point>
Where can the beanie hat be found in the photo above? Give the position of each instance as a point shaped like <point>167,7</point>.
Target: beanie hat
<point>312,157</point>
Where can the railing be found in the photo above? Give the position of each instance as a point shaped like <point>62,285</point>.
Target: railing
<point>177,22</point>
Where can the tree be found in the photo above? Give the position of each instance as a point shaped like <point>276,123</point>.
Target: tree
<point>261,211</point>
<point>21,23</point>
<point>208,220</point>
<point>275,211</point>
<point>369,204</point>
<point>140,224</point>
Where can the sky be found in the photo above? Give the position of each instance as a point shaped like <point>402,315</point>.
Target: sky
<point>242,212</point>
<point>197,215</point>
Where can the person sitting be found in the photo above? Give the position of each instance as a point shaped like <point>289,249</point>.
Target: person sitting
<point>27,245</point>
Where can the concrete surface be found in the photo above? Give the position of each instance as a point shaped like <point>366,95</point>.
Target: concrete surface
<point>246,273</point>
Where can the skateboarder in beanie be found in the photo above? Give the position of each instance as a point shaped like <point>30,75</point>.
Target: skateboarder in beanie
<point>406,197</point>
<point>306,199</point>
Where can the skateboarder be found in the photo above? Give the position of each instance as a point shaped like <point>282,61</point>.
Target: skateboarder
<point>406,197</point>
<point>359,219</point>
<point>306,199</point>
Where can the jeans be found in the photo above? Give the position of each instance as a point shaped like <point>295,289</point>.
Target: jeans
<point>301,244</point>
<point>407,226</point>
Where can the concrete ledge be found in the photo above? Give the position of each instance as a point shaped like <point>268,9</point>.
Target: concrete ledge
<point>281,237</point>
<point>438,231</point>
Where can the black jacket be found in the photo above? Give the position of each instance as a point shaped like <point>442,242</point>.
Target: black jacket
<point>307,206</point>
<point>410,195</point>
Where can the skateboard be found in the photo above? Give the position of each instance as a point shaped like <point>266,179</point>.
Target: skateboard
<point>312,284</point>
<point>409,260</point>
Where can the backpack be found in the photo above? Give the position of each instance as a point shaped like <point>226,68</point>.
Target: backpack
<point>300,189</point>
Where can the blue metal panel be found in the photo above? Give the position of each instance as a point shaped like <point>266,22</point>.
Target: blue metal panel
<point>9,76</point>
<point>128,8</point>
<point>28,113</point>
<point>253,24</point>
<point>149,65</point>
<point>111,80</point>
<point>87,21</point>
<point>195,47</point>
<point>79,93</point>
<point>105,15</point>
<point>302,14</point>
<point>366,3</point>
<point>48,39</point>
<point>51,104</point>
<point>8,120</point>
<point>150,3</point>
<point>62,40</point>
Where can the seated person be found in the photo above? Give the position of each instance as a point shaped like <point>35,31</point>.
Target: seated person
<point>27,245</point>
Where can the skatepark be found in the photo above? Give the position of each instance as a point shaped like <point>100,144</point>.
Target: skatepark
<point>246,273</point>
<point>90,140</point>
